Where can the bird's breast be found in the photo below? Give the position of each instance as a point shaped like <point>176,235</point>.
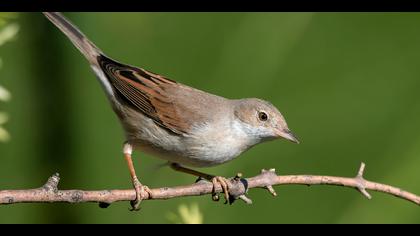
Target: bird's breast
<point>207,144</point>
<point>214,144</point>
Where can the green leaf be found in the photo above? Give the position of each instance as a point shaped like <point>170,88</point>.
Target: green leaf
<point>4,135</point>
<point>8,33</point>
<point>4,94</point>
<point>3,118</point>
<point>186,215</point>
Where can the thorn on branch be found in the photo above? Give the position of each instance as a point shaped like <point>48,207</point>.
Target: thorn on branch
<point>269,187</point>
<point>272,170</point>
<point>361,181</point>
<point>361,170</point>
<point>52,184</point>
<point>245,199</point>
<point>271,190</point>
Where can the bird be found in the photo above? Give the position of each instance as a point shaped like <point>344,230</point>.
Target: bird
<point>187,127</point>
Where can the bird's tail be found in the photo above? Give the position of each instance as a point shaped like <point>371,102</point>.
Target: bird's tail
<point>85,46</point>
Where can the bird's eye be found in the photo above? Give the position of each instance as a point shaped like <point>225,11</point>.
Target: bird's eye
<point>262,116</point>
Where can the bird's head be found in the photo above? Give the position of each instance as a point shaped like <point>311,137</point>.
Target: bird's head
<point>262,121</point>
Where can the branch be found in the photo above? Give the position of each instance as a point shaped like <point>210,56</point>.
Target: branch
<point>238,188</point>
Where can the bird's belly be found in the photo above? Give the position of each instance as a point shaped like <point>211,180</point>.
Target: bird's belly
<point>199,149</point>
<point>192,152</point>
<point>194,156</point>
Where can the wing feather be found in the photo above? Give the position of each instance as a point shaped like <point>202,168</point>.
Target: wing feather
<point>146,92</point>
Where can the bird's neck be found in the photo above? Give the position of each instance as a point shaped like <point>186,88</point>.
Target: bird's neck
<point>245,133</point>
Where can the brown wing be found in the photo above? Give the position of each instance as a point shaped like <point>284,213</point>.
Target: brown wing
<point>146,92</point>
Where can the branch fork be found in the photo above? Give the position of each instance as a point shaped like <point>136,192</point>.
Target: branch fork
<point>361,186</point>
<point>271,173</point>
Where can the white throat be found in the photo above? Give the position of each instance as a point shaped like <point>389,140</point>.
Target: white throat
<point>246,133</point>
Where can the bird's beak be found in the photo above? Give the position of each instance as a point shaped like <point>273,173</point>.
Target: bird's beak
<point>287,134</point>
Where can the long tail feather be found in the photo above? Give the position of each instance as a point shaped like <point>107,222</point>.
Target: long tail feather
<point>85,46</point>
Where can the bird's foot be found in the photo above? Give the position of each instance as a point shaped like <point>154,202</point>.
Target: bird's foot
<point>225,184</point>
<point>142,192</point>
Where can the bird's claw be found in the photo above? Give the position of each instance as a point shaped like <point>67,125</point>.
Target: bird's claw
<point>142,192</point>
<point>225,184</point>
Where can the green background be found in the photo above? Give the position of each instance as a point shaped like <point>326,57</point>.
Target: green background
<point>347,83</point>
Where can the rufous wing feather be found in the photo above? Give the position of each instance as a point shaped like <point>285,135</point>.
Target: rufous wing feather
<point>146,92</point>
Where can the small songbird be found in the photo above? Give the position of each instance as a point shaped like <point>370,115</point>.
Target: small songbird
<point>172,121</point>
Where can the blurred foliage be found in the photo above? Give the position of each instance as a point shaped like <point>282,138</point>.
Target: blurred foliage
<point>7,16</point>
<point>4,135</point>
<point>347,83</point>
<point>7,33</point>
<point>186,215</point>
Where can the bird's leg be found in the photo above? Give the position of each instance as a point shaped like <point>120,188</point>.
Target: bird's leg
<point>138,187</point>
<point>224,183</point>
